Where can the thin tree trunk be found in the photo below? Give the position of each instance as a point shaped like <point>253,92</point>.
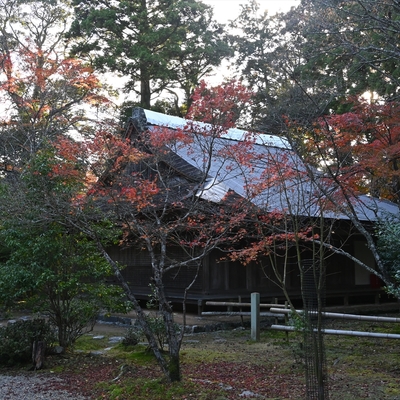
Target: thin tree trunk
<point>164,365</point>
<point>174,342</point>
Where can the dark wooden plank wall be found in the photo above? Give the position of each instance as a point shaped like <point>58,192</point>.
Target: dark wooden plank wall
<point>219,280</point>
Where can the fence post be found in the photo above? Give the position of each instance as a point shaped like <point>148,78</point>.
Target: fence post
<point>240,310</point>
<point>255,316</point>
<point>286,321</point>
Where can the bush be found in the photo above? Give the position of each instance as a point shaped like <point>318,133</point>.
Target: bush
<point>73,318</point>
<point>158,328</point>
<point>156,324</point>
<point>16,340</point>
<point>132,336</point>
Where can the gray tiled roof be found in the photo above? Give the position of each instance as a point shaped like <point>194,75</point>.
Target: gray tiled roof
<point>295,194</point>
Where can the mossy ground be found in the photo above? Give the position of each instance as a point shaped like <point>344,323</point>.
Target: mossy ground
<point>227,365</point>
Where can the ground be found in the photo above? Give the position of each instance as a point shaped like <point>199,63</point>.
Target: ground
<point>226,364</point>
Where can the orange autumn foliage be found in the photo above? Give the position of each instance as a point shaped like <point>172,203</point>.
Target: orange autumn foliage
<point>361,148</point>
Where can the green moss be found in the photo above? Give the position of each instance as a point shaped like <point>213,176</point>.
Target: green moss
<point>138,354</point>
<point>87,343</point>
<point>57,369</point>
<point>205,355</point>
<point>392,389</point>
<point>157,389</point>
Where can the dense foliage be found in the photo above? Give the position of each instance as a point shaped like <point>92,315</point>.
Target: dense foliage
<point>157,46</point>
<point>303,62</point>
<point>17,338</point>
<point>48,264</point>
<point>388,234</point>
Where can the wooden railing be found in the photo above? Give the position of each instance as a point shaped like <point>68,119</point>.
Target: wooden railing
<point>254,312</point>
<point>282,310</point>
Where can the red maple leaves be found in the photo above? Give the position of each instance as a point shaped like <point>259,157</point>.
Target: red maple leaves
<point>361,148</point>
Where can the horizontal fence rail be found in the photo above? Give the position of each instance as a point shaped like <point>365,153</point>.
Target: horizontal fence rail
<point>371,318</point>
<point>341,332</point>
<point>236,313</point>
<point>280,310</point>
<point>233,304</point>
<point>254,312</point>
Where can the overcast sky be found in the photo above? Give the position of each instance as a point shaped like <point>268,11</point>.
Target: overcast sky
<point>225,10</point>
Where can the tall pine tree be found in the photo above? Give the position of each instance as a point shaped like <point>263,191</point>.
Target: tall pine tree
<point>156,45</point>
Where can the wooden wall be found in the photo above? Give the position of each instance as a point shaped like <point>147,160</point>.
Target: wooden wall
<point>222,280</point>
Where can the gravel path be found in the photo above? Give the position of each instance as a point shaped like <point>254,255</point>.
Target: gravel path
<point>34,387</point>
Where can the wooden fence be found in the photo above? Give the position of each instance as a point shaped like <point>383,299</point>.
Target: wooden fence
<point>282,310</point>
<point>355,317</point>
<point>254,312</point>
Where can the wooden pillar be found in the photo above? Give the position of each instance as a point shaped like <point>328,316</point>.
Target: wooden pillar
<point>255,316</point>
<point>287,321</point>
<point>240,310</point>
<point>200,307</point>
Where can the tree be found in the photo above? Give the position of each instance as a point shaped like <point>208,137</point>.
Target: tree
<point>352,160</point>
<point>360,148</point>
<point>48,265</point>
<point>348,158</point>
<point>46,98</point>
<point>264,60</point>
<point>358,37</point>
<point>131,184</point>
<point>304,62</point>
<point>44,92</point>
<point>301,192</point>
<point>160,46</point>
<point>270,57</point>
<point>350,46</point>
<point>288,234</point>
<point>351,157</point>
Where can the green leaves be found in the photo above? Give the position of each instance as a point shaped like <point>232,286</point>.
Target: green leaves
<point>48,262</point>
<point>160,45</point>
<point>388,236</point>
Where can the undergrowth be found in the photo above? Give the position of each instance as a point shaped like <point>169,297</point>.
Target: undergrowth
<point>225,365</point>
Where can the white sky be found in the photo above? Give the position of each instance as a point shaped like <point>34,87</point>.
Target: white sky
<point>225,10</point>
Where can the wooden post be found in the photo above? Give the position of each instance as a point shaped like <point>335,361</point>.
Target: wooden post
<point>287,321</point>
<point>200,305</point>
<point>255,316</point>
<point>241,310</point>
<point>276,318</point>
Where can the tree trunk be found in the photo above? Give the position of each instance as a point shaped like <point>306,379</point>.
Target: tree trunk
<point>38,354</point>
<point>173,336</point>
<point>145,93</point>
<point>313,293</point>
<point>140,314</point>
<point>174,367</point>
<point>174,346</point>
